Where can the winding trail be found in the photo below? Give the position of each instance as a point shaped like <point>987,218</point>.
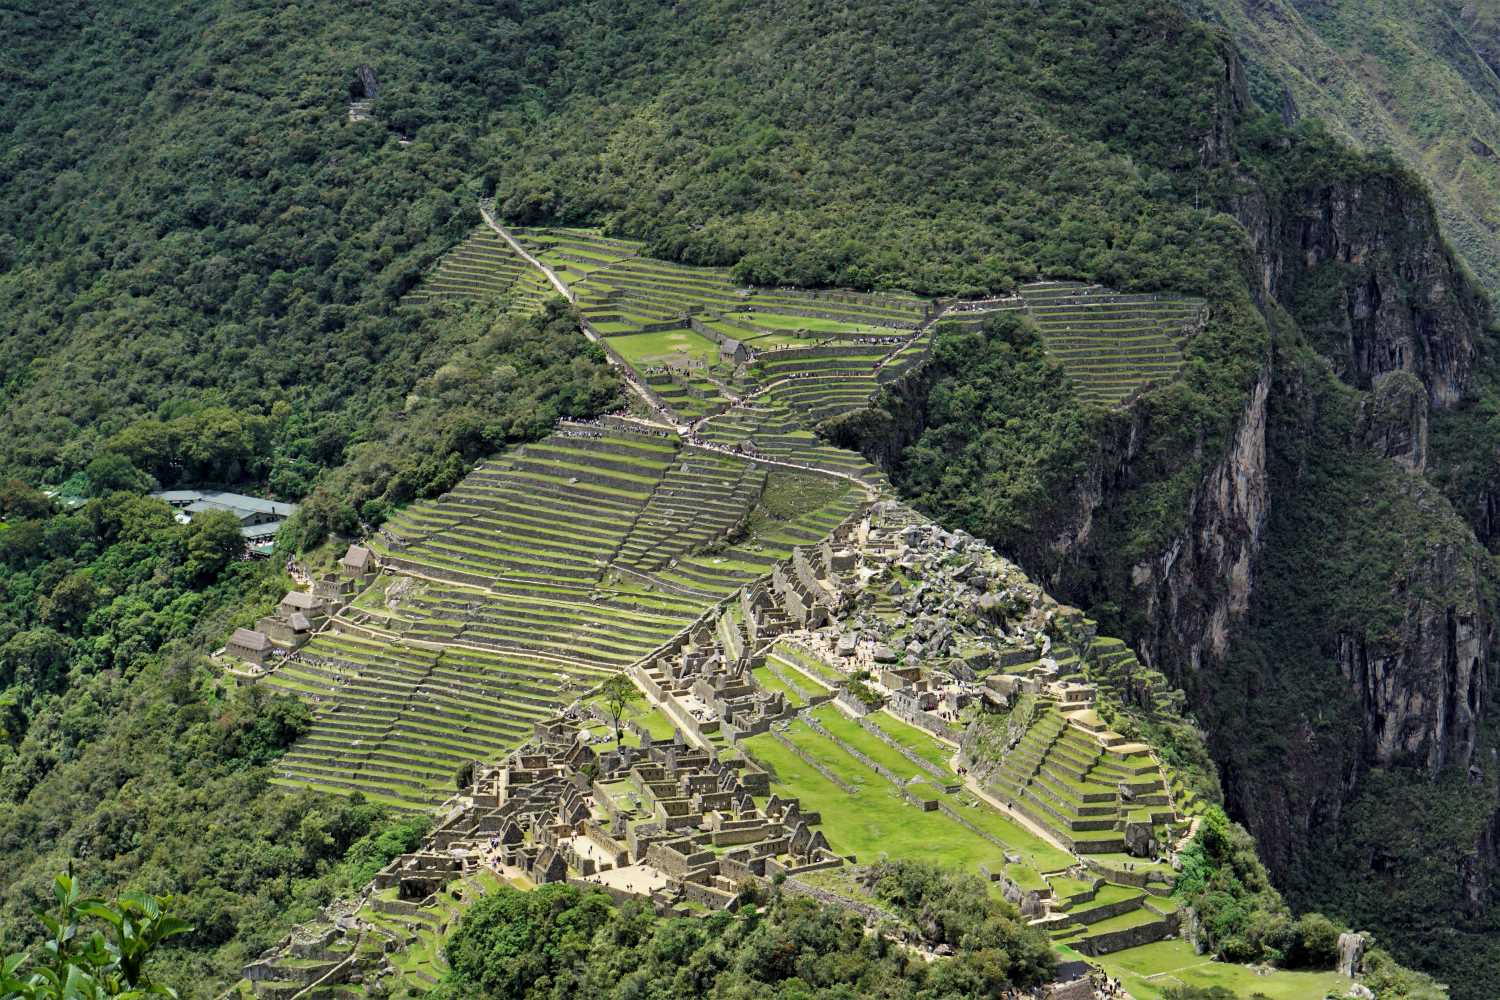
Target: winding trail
<point>626,372</point>
<point>505,234</point>
<point>688,432</point>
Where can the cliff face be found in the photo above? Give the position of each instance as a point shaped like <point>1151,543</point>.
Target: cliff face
<point>1422,688</point>
<point>1416,77</point>
<point>1359,262</point>
<point>1195,592</point>
<point>1350,261</point>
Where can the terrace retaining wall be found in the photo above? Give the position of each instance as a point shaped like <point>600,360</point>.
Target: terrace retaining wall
<point>807,759</point>
<point>932,770</point>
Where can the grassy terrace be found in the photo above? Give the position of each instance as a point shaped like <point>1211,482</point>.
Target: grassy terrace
<point>624,293</point>
<point>551,512</point>
<point>847,730</point>
<point>802,663</point>
<point>597,631</point>
<point>929,748</point>
<point>1064,779</point>
<point>702,499</point>
<point>520,601</point>
<point>814,386</point>
<point>785,516</point>
<point>1111,344</point>
<point>483,268</point>
<point>1147,972</point>
<point>773,432</point>
<point>396,721</point>
<point>683,346</point>
<point>796,696</point>
<point>875,819</point>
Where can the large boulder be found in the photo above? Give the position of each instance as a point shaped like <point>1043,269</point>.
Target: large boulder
<point>1351,953</point>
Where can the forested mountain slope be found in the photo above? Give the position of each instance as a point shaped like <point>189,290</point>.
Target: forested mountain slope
<point>201,266</point>
<point>1418,79</point>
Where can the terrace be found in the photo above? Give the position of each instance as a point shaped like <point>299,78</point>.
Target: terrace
<point>483,268</point>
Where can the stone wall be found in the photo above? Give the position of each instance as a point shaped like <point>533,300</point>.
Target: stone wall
<point>922,720</point>
<point>840,783</point>
<point>871,914</point>
<point>946,780</point>
<point>1130,937</point>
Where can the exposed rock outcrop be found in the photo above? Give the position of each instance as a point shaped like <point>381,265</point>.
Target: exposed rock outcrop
<point>1360,263</point>
<point>1198,589</point>
<point>1423,686</point>
<point>1393,421</point>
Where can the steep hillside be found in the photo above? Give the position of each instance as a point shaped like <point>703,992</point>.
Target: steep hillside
<point>217,265</point>
<point>1417,79</point>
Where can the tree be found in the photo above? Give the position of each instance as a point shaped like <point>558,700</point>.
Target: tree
<point>19,502</point>
<point>213,539</point>
<point>112,472</point>
<point>37,657</point>
<point>615,694</point>
<point>108,963</point>
<point>70,602</point>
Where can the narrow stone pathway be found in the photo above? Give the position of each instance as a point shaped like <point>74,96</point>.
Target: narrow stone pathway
<point>973,785</point>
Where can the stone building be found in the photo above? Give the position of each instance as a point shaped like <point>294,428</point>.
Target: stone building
<point>250,646</point>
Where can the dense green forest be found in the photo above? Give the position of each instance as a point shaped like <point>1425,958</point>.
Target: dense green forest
<point>560,942</point>
<point>124,752</point>
<point>1417,79</point>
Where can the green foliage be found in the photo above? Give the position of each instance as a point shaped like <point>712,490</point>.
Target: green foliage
<point>1418,835</point>
<point>73,965</point>
<point>560,941</point>
<point>958,910</point>
<point>1200,993</point>
<point>1390,981</point>
<point>120,743</point>
<point>1241,917</point>
<point>238,318</point>
<point>1003,433</point>
<point>1410,78</point>
<point>865,694</point>
<point>510,382</point>
<point>826,151</point>
<point>213,539</point>
<point>615,694</point>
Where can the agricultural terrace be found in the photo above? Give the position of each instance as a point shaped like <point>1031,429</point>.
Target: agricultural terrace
<point>1112,344</point>
<point>774,432</point>
<point>542,572</point>
<point>483,268</point>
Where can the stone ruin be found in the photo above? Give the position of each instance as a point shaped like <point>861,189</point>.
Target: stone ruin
<point>665,822</point>
<point>303,613</point>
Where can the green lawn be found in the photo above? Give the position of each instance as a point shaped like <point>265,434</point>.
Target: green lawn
<point>815,324</point>
<point>846,729</point>
<point>647,349</point>
<point>808,663</point>
<point>770,682</point>
<point>928,747</point>
<point>770,341</point>
<point>643,712</point>
<point>1035,851</point>
<point>1148,970</point>
<point>876,820</point>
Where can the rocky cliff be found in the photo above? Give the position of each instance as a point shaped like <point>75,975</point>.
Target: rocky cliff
<point>1195,592</point>
<point>1357,258</point>
<point>1318,597</point>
